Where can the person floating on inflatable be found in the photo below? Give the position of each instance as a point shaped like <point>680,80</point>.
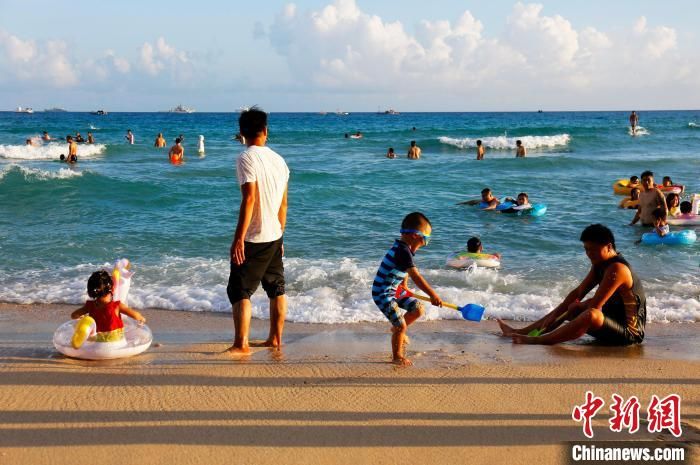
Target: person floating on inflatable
<point>103,310</point>
<point>474,257</point>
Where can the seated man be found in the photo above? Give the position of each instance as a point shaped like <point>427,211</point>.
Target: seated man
<point>616,314</point>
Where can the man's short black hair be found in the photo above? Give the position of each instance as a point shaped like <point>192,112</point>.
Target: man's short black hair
<point>485,191</point>
<point>478,142</point>
<point>647,173</point>
<point>252,123</point>
<point>391,149</point>
<point>634,179</point>
<point>178,140</point>
<point>415,220</point>
<point>473,245</point>
<point>686,207</point>
<point>413,143</point>
<point>598,234</point>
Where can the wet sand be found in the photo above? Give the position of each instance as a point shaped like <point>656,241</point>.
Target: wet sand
<point>330,396</point>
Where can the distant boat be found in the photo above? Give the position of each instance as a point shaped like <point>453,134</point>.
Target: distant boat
<point>24,110</point>
<point>55,110</point>
<point>540,111</point>
<point>242,109</point>
<point>98,112</point>
<point>341,113</point>
<point>181,109</point>
<point>391,111</point>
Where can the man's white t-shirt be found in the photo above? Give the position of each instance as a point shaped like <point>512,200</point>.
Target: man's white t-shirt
<point>265,167</point>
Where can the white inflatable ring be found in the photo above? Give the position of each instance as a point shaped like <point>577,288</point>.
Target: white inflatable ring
<point>137,338</point>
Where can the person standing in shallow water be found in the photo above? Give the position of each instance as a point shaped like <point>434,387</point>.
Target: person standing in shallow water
<point>520,150</point>
<point>634,122</point>
<point>414,151</point>
<point>257,248</point>
<point>480,151</point>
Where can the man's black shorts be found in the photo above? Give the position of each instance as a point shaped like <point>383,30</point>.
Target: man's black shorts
<point>263,264</point>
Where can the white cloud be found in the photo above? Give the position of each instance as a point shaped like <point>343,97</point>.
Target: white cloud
<point>341,47</point>
<point>164,57</point>
<point>46,63</point>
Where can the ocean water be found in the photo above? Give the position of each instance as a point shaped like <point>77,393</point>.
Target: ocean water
<point>346,202</point>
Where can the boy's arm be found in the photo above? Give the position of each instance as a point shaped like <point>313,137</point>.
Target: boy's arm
<point>131,312</point>
<point>79,312</point>
<point>423,285</point>
<point>245,216</point>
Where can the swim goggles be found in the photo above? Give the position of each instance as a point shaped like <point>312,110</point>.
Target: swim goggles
<point>425,237</point>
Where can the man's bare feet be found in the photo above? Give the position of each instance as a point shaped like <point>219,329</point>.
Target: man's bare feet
<point>268,343</point>
<point>238,351</point>
<point>508,331</point>
<point>402,362</point>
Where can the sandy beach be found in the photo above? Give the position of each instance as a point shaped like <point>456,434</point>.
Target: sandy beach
<point>329,397</point>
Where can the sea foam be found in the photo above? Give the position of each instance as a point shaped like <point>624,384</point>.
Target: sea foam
<point>39,174</point>
<point>50,151</point>
<point>325,291</point>
<point>508,143</point>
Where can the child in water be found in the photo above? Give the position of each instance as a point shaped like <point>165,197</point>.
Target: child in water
<point>631,202</point>
<point>660,226</point>
<point>394,271</point>
<point>474,246</point>
<point>686,209</point>
<point>104,309</point>
<point>673,202</point>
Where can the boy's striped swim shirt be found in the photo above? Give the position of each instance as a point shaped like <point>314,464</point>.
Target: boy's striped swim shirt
<point>392,271</point>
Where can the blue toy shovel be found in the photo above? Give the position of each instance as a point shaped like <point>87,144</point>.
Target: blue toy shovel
<point>471,312</point>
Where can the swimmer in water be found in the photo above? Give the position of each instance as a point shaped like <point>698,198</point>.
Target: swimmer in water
<point>631,202</point>
<point>129,137</point>
<point>46,137</point>
<point>414,152</point>
<point>90,139</point>
<point>634,122</point>
<point>29,143</point>
<point>390,153</point>
<point>520,150</point>
<point>480,150</point>
<point>177,152</point>
<point>72,150</point>
<point>160,141</point>
<point>200,149</point>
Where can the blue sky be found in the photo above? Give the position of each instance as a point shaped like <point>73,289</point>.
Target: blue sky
<point>351,55</point>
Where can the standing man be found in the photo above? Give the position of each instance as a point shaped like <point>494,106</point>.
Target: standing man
<point>72,150</point>
<point>650,199</point>
<point>480,151</point>
<point>634,122</point>
<point>257,248</point>
<point>520,150</point>
<point>414,151</point>
<point>129,137</point>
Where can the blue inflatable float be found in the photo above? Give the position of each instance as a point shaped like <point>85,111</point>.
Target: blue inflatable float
<point>685,237</point>
<point>537,209</point>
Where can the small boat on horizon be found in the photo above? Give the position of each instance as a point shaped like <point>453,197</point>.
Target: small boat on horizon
<point>98,112</point>
<point>181,109</point>
<point>242,109</point>
<point>391,111</point>
<point>24,110</point>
